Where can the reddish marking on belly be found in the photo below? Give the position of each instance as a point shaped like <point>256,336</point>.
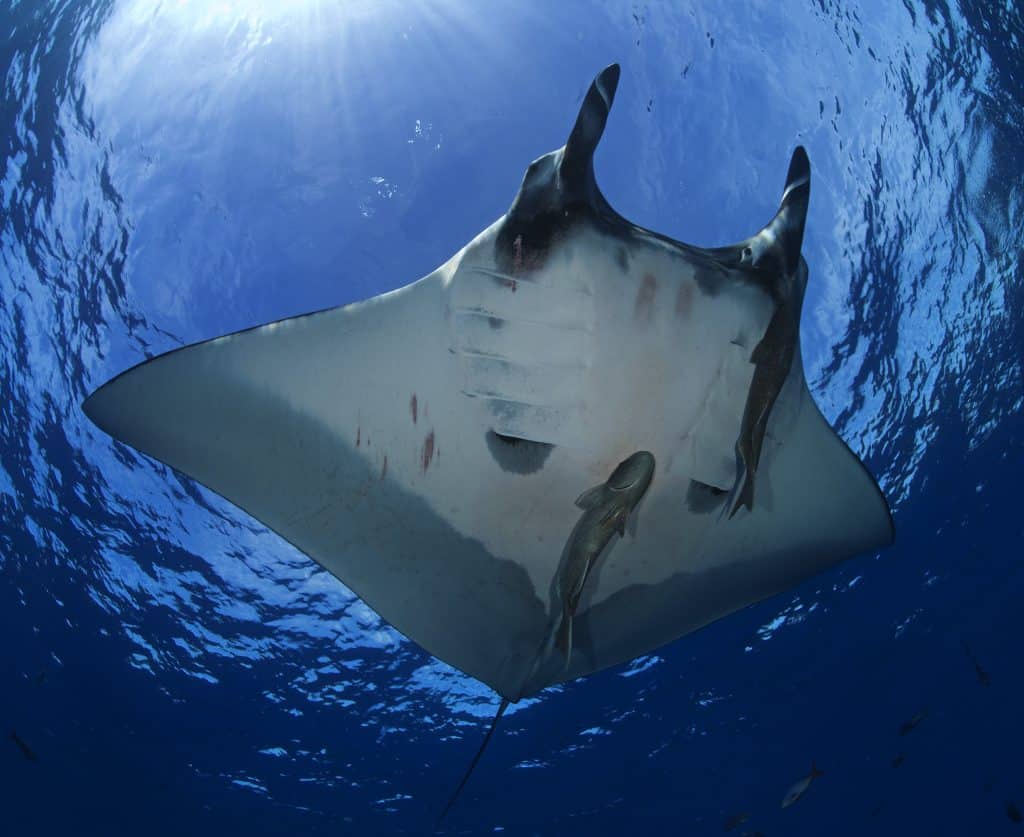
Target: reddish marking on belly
<point>358,431</point>
<point>428,450</point>
<point>384,467</point>
<point>684,300</point>
<point>644,309</point>
<point>413,408</point>
<point>524,260</point>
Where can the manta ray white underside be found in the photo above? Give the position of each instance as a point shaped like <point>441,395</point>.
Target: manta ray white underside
<point>426,446</point>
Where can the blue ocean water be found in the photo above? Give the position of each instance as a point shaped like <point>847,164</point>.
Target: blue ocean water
<point>178,170</point>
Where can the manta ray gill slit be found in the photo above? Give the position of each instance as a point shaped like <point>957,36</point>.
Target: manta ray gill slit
<point>516,455</point>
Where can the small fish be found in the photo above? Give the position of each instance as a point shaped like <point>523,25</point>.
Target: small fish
<point>735,820</point>
<point>982,675</point>
<point>26,751</point>
<point>800,788</point>
<point>907,726</point>
<point>1013,812</point>
<point>606,508</point>
<point>896,762</point>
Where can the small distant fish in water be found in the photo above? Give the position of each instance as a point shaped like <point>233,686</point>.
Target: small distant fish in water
<point>907,726</point>
<point>735,820</point>
<point>896,762</point>
<point>800,788</point>
<point>1013,812</point>
<point>26,751</point>
<point>983,677</point>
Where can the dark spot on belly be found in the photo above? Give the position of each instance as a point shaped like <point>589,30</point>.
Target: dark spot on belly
<point>702,498</point>
<point>358,431</point>
<point>384,467</point>
<point>413,408</point>
<point>644,309</point>
<point>622,258</point>
<point>515,455</point>
<point>495,322</point>
<point>428,450</point>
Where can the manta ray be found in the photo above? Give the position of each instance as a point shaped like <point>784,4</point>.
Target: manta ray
<point>427,446</point>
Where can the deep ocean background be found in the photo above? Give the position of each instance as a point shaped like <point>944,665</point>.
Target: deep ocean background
<point>173,171</point>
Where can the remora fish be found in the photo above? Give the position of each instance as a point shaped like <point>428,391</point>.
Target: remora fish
<point>983,677</point>
<point>606,508</point>
<point>799,788</point>
<point>26,751</point>
<point>908,726</point>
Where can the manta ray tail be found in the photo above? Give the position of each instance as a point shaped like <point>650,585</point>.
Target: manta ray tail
<point>469,770</point>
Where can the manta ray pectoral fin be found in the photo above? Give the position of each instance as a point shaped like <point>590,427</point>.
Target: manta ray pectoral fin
<point>327,428</point>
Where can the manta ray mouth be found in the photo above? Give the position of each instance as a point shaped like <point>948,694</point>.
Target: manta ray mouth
<point>517,455</point>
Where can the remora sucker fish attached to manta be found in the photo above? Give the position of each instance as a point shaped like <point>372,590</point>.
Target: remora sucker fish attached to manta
<point>554,344</point>
<point>606,508</point>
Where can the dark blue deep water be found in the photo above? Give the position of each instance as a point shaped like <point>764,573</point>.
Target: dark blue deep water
<point>177,170</point>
